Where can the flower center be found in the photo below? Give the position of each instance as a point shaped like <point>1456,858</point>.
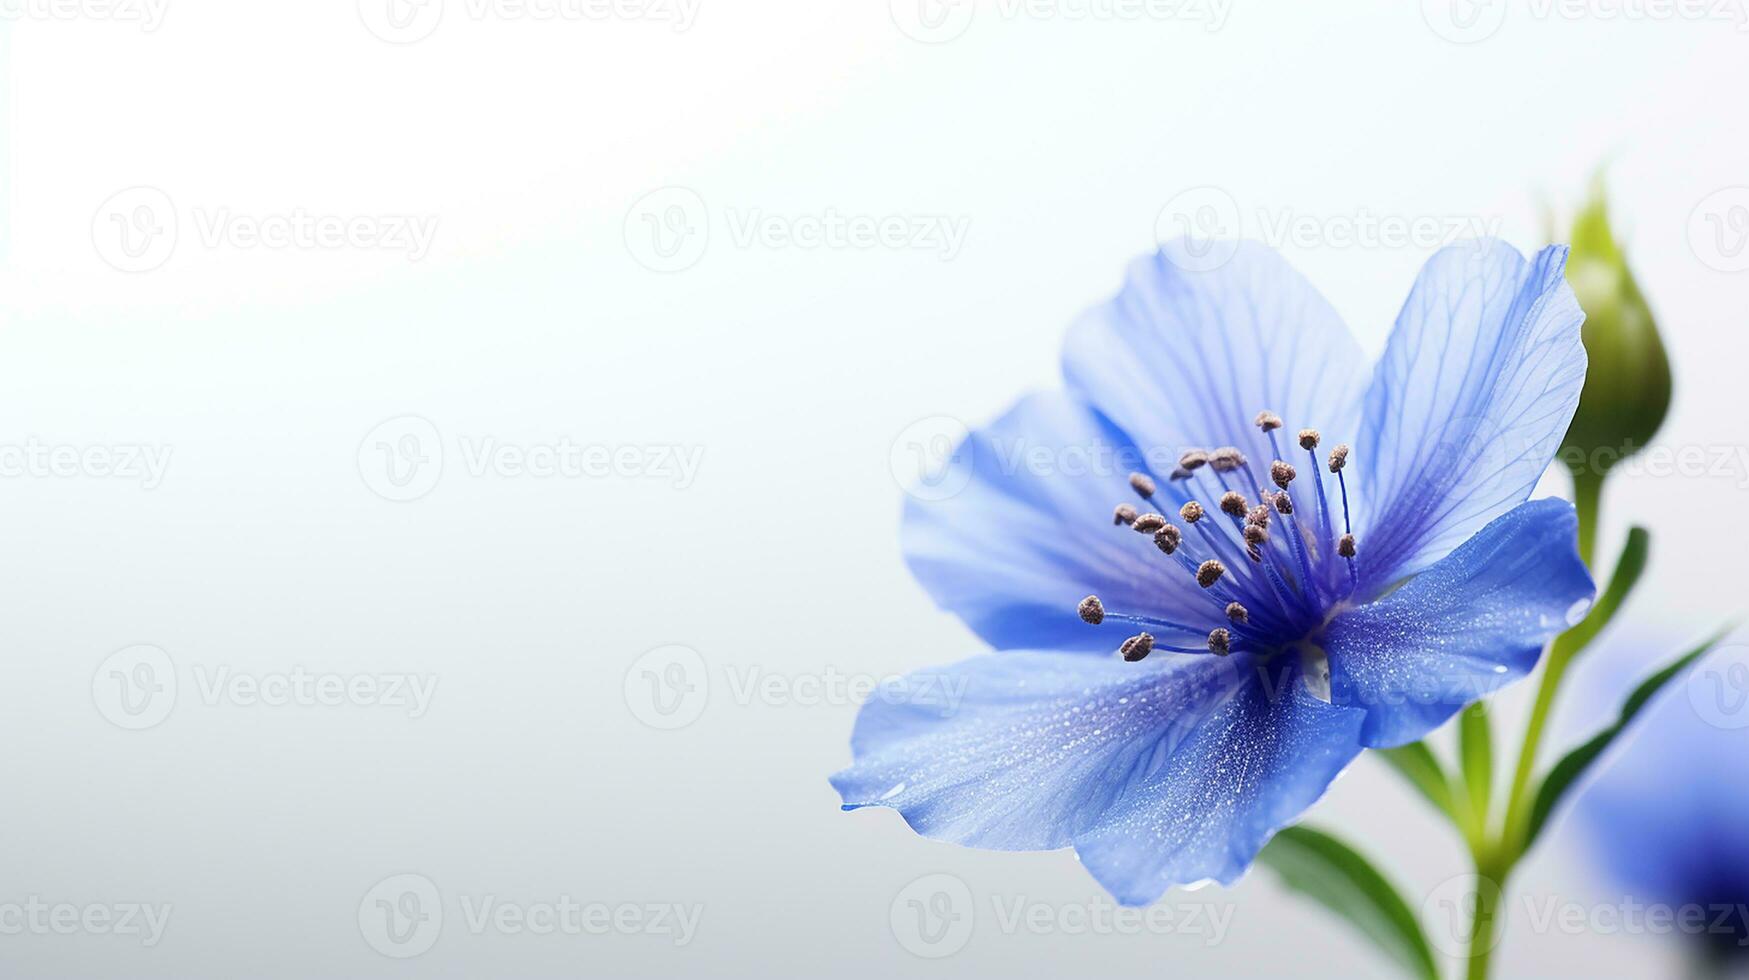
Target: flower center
<point>1270,570</point>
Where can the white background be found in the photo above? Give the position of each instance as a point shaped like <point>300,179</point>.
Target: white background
<point>792,370</point>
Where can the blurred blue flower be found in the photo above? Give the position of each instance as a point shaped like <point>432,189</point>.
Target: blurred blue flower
<point>1667,815</point>
<point>1301,600</point>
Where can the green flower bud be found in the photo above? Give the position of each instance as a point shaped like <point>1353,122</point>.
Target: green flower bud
<point>1627,388</point>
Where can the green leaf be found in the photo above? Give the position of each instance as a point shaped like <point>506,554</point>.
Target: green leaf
<point>1416,763</point>
<point>1621,581</point>
<point>1573,765</point>
<point>1476,749</point>
<point>1334,875</point>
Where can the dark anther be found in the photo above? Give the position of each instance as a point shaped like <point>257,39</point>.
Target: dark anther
<point>1137,647</point>
<point>1092,611</point>
<point>1282,473</point>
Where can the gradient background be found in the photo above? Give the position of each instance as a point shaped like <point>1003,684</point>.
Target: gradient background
<point>798,373</point>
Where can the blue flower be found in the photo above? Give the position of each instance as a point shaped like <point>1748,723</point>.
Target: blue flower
<point>1666,814</point>
<point>1288,601</point>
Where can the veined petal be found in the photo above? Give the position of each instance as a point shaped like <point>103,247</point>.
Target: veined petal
<point>1472,623</point>
<point>1467,406</point>
<point>1161,773</point>
<point>1031,533</point>
<point>1186,359</point>
<point>1249,768</point>
<point>1023,750</point>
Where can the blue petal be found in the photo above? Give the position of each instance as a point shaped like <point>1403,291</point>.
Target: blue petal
<point>1472,623</point>
<point>1467,406</point>
<point>1031,533</point>
<point>1665,813</point>
<point>1250,768</point>
<point>1182,359</point>
<point>1159,773</point>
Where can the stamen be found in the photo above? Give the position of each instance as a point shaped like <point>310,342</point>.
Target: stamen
<point>1180,474</point>
<point>1345,546</point>
<point>1137,647</point>
<point>1284,504</point>
<point>1191,512</point>
<point>1148,523</point>
<point>1168,538</point>
<point>1092,611</point>
<point>1124,514</point>
<point>1338,458</point>
<point>1268,421</point>
<point>1142,484</point>
<point>1282,473</point>
<point>1256,536</point>
<point>1220,642</point>
<point>1238,613</point>
<point>1259,515</point>
<point>1234,504</point>
<point>1309,439</point>
<point>1193,459</point>
<point>1226,459</point>
<point>1210,572</point>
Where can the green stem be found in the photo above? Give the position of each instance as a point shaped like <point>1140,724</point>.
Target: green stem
<point>1588,500</point>
<point>1494,863</point>
<point>1485,920</point>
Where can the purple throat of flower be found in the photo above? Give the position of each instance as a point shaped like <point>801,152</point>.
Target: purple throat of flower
<point>1271,571</point>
